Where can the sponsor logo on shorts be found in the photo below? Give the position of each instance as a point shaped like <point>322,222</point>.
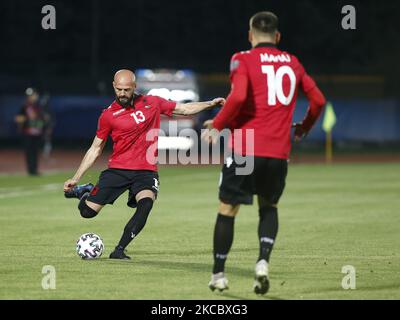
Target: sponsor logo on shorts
<point>229,161</point>
<point>156,184</point>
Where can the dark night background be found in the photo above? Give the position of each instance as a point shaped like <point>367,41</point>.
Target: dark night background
<point>94,38</point>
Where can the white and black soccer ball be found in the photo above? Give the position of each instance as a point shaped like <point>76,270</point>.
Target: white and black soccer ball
<point>89,246</point>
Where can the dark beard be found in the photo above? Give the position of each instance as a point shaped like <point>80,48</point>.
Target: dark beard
<point>125,104</point>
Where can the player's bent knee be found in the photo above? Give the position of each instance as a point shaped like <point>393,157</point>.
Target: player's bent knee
<point>145,194</point>
<point>264,203</point>
<point>228,209</point>
<point>86,211</point>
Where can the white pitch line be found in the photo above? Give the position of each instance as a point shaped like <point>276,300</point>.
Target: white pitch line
<point>19,191</point>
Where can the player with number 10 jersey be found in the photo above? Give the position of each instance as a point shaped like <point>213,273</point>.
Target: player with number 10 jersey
<point>270,79</point>
<point>265,84</point>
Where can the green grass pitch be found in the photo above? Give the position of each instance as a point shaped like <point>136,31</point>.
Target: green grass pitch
<point>330,216</point>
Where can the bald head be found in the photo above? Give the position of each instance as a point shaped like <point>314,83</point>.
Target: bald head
<point>124,77</point>
<point>124,86</point>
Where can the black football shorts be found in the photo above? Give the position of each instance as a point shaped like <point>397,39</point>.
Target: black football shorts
<point>267,180</point>
<point>114,182</point>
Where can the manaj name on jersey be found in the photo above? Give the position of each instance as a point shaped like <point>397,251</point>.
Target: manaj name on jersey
<point>265,57</point>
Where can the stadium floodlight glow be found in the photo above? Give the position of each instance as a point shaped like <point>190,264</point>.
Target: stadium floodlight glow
<point>164,74</point>
<point>149,74</point>
<point>160,92</point>
<point>175,95</point>
<point>180,74</point>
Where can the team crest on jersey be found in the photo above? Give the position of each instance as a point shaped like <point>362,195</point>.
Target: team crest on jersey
<point>234,65</point>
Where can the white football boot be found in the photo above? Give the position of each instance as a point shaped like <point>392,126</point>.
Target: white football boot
<point>218,281</point>
<point>261,282</point>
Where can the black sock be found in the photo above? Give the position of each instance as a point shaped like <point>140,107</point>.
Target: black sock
<point>84,209</point>
<point>267,231</point>
<point>223,238</point>
<point>136,223</point>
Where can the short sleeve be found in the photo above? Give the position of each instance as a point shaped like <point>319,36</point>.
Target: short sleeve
<point>166,107</point>
<point>103,127</point>
<point>237,65</point>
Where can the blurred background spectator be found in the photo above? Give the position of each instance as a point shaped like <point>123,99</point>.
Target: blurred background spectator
<point>31,124</point>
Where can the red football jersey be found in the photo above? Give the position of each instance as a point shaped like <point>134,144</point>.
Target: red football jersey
<point>134,131</point>
<point>273,78</point>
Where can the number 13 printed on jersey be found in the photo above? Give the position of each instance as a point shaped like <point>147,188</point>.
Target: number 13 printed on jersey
<point>138,116</point>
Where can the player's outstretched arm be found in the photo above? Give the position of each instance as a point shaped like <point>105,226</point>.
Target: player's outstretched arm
<point>234,103</point>
<point>187,109</point>
<point>88,160</point>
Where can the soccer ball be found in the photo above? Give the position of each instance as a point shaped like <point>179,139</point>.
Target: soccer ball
<point>89,246</point>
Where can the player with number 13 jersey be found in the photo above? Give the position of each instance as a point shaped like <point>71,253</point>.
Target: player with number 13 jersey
<point>132,131</point>
<point>133,122</point>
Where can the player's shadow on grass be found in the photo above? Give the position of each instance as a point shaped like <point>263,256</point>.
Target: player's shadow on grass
<point>188,252</point>
<point>178,266</point>
<point>193,266</point>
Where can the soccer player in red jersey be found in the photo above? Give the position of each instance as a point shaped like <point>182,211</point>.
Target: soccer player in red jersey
<point>133,121</point>
<point>265,83</point>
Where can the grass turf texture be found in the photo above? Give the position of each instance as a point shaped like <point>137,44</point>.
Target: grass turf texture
<point>330,216</point>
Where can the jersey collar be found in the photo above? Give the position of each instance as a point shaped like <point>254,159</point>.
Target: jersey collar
<point>265,44</point>
<point>135,98</point>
